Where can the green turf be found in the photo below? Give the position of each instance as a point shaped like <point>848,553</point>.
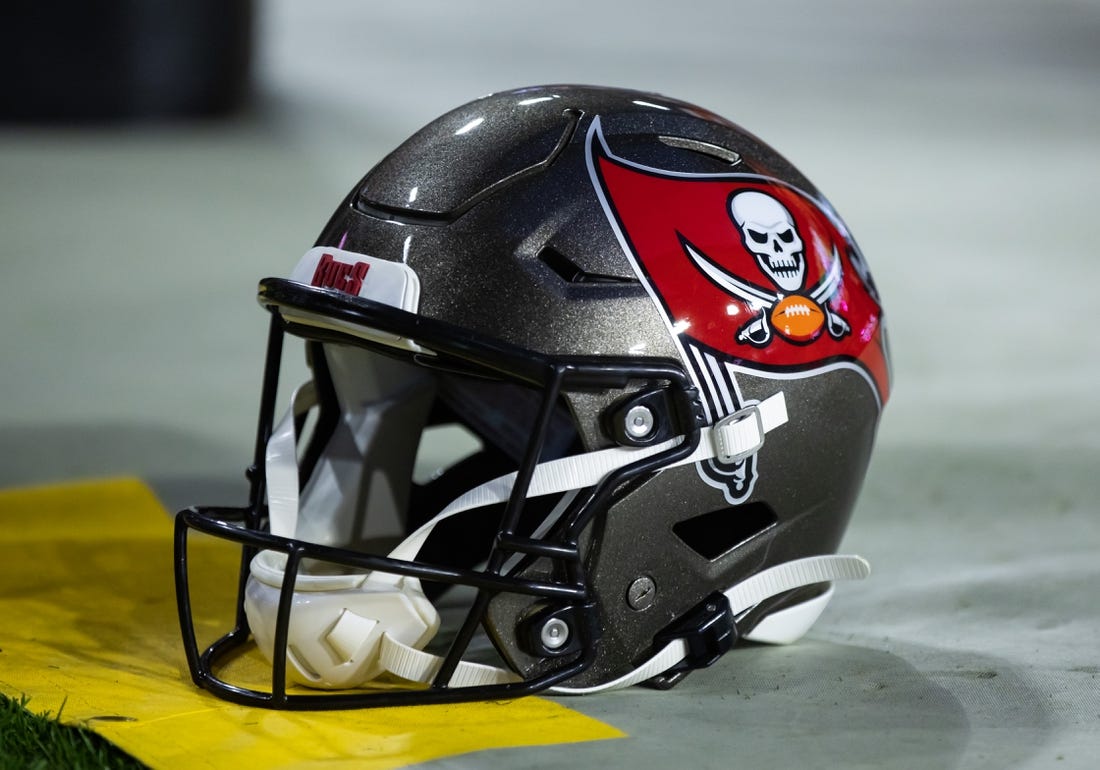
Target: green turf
<point>41,742</point>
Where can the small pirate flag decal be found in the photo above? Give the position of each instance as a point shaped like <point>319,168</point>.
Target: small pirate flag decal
<point>771,234</point>
<point>751,275</point>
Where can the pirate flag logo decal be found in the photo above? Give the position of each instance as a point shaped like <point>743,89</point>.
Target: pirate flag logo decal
<point>751,275</point>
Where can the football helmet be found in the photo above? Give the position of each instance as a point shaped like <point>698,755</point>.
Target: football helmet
<point>595,379</point>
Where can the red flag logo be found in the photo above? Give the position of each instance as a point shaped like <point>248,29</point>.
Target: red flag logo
<point>745,266</point>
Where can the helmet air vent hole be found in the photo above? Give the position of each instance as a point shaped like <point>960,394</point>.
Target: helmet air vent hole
<point>703,148</point>
<point>570,272</point>
<point>715,533</point>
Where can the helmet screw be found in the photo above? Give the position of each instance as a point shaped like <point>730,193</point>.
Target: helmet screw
<point>554,634</point>
<point>639,422</point>
<point>641,593</point>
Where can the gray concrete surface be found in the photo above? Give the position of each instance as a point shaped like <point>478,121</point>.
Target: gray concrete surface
<point>961,142</point>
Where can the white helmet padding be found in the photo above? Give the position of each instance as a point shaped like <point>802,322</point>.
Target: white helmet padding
<point>357,496</point>
<point>367,461</point>
<point>359,489</point>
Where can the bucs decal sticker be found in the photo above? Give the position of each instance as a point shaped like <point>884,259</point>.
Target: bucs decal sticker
<point>332,274</point>
<point>771,234</point>
<point>751,276</point>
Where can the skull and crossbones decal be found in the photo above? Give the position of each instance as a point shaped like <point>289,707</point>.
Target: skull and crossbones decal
<point>768,232</point>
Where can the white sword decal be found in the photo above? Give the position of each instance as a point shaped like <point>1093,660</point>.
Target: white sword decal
<point>756,331</point>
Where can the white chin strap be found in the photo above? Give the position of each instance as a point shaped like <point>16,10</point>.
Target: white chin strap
<point>394,646</point>
<point>419,666</point>
<point>746,595</point>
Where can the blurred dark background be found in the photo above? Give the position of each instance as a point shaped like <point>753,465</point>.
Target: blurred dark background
<point>124,59</point>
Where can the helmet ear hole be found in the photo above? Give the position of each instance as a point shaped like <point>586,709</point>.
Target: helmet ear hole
<point>715,533</point>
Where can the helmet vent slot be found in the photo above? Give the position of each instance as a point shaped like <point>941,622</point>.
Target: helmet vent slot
<point>703,148</point>
<point>715,533</point>
<point>570,272</point>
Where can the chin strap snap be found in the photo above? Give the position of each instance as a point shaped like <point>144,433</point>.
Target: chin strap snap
<point>743,596</point>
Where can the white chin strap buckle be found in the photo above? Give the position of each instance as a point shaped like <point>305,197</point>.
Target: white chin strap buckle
<point>738,436</point>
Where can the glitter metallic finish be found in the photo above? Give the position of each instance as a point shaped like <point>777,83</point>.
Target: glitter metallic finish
<point>504,221</point>
<point>537,225</point>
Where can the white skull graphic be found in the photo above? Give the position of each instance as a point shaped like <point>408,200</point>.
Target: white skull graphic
<point>769,232</point>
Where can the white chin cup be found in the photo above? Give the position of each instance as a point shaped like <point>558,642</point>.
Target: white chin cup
<point>337,621</point>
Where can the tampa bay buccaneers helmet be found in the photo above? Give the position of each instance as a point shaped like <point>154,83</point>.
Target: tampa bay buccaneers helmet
<point>595,378</point>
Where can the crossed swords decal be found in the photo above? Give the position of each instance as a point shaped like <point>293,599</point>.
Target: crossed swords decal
<point>757,331</point>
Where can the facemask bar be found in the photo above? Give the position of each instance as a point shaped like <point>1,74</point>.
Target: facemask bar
<point>441,343</point>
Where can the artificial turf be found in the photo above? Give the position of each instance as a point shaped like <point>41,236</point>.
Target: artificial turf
<point>42,742</point>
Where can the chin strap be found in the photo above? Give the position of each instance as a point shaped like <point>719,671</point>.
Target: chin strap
<point>735,437</point>
<point>744,596</point>
<point>419,666</point>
